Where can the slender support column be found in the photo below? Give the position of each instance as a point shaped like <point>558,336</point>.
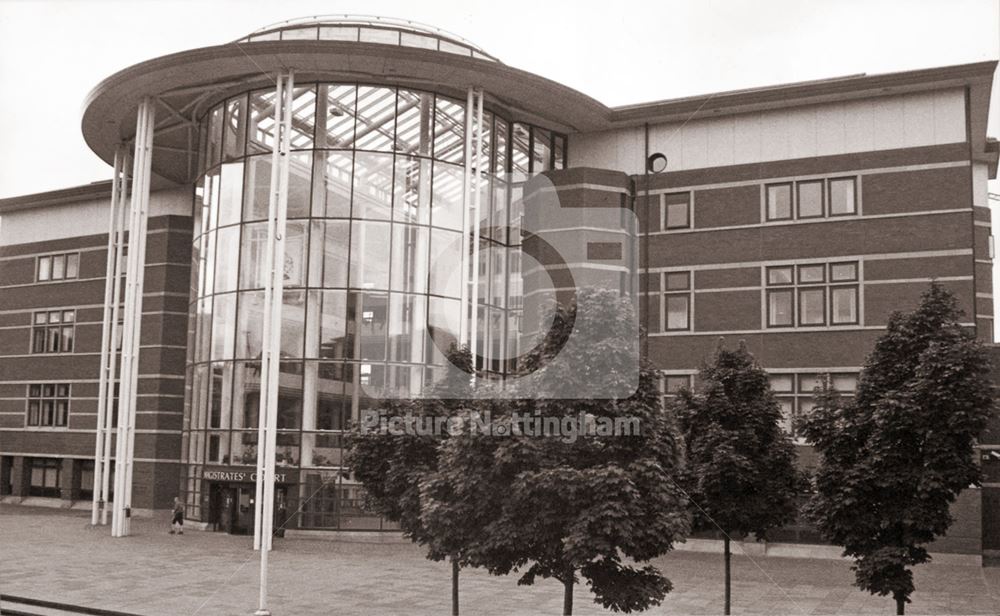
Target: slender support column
<point>463,324</point>
<point>135,275</point>
<point>271,344</point>
<point>109,402</point>
<point>477,186</point>
<point>107,346</point>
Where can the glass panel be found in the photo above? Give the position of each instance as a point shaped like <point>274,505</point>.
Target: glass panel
<point>677,311</point>
<point>299,34</point>
<point>246,397</point>
<point>678,281</point>
<point>328,250</point>
<point>338,33</point>
<point>843,272</point>
<point>372,186</point>
<point>378,35</point>
<point>227,259</point>
<point>779,201</point>
<point>289,397</point>
<point>235,129</point>
<point>414,122</point>
<point>782,382</point>
<point>332,184</point>
<point>779,308</point>
<point>519,153</point>
<point>842,197</point>
<point>335,111</point>
<point>369,244</point>
<point>299,184</point>
<point>72,265</point>
<point>417,40</point>
<point>258,188</point>
<point>559,152</point>
<point>67,340</point>
<point>303,117</point>
<point>787,411</point>
<point>231,194</point>
<point>812,273</point>
<point>446,254</point>
<point>412,190</point>
<point>58,267</point>
<point>846,383</point>
<point>501,133</point>
<point>376,118</point>
<point>250,325</point>
<point>367,314</point>
<point>260,135</point>
<point>333,404</point>
<point>809,382</point>
<point>845,304</point>
<point>223,326</point>
<point>812,308</point>
<point>810,199</point>
<point>44,268</point>
<point>449,182</point>
<point>409,258</point>
<point>214,153</point>
<point>676,383</point>
<point>779,275</point>
<point>254,253</point>
<point>443,321</point>
<point>678,209</point>
<point>541,150</point>
<point>327,316</point>
<point>407,319</point>
<point>449,131</point>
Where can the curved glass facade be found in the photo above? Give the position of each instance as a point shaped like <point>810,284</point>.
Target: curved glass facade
<point>371,275</point>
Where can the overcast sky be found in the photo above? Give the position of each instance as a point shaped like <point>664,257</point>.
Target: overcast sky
<point>617,51</point>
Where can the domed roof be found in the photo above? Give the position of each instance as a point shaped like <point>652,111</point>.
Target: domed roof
<point>368,29</point>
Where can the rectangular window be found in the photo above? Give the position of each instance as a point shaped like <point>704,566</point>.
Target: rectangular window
<point>678,300</point>
<point>53,331</point>
<point>779,275</point>
<point>812,306</point>
<point>810,199</point>
<point>675,383</point>
<point>64,266</point>
<point>48,405</point>
<point>44,477</point>
<point>844,305</point>
<point>795,393</point>
<point>780,308</point>
<point>678,210</point>
<point>842,201</point>
<point>779,201</point>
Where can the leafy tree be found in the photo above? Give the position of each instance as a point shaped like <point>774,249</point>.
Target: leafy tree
<point>553,506</point>
<point>392,466</point>
<point>895,458</point>
<point>740,472</point>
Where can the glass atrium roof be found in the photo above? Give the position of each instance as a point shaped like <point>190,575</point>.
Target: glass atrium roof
<point>368,29</point>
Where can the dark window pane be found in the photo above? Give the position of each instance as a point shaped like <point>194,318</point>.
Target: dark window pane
<point>678,281</point>
<point>72,265</point>
<point>678,210</point>
<point>368,314</point>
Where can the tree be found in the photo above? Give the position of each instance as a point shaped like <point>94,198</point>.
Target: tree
<point>552,505</point>
<point>894,459</point>
<point>391,466</point>
<point>740,470</point>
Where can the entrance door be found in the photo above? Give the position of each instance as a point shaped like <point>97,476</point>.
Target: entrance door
<point>245,513</point>
<point>237,510</point>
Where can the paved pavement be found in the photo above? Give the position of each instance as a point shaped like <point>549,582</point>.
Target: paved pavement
<point>56,555</point>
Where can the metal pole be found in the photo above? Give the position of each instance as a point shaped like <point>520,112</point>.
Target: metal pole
<point>103,376</point>
<point>270,353</point>
<point>115,313</point>
<point>133,317</point>
<point>463,328</point>
<point>478,187</point>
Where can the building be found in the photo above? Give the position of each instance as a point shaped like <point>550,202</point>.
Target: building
<point>796,217</point>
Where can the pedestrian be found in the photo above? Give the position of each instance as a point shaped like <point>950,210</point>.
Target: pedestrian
<point>177,523</point>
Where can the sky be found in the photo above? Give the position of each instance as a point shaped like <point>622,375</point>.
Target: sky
<point>52,53</point>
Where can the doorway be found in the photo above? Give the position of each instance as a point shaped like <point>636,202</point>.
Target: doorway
<point>231,507</point>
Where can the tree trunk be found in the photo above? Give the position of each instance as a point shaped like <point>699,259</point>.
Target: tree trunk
<point>726,556</point>
<point>568,595</point>
<point>900,604</point>
<point>454,587</point>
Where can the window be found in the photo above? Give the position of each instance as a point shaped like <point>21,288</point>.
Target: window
<point>815,198</point>
<point>795,393</point>
<point>58,267</point>
<point>779,201</point>
<point>799,295</point>
<point>45,477</point>
<point>673,383</point>
<point>53,331</point>
<point>842,200</point>
<point>678,210</point>
<point>48,405</point>
<point>677,300</point>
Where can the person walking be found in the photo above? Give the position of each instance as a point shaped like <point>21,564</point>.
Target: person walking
<point>177,523</point>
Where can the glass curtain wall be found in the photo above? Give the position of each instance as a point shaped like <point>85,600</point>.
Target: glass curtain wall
<point>371,295</point>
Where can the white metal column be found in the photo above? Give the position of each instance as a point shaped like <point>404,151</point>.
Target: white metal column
<point>271,343</point>
<point>134,278</point>
<point>477,186</point>
<point>106,376</point>
<point>463,327</point>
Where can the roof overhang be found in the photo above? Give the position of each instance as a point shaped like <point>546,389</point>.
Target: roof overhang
<point>186,84</point>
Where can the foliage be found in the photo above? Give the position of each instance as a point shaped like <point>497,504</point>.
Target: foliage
<point>895,458</point>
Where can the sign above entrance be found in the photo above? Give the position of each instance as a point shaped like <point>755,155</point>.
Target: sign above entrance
<point>239,476</point>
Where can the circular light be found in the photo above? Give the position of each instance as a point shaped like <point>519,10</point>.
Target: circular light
<point>656,163</point>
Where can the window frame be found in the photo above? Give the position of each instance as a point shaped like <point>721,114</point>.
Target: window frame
<point>810,288</point>
<point>72,257</point>
<point>684,293</point>
<point>41,398</point>
<point>798,200</point>
<point>48,326</point>
<point>798,286</point>
<point>788,289</point>
<point>853,179</point>
<point>666,211</point>
<point>857,303</point>
<point>791,201</point>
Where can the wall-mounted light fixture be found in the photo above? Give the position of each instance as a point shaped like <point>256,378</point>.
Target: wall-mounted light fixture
<point>656,163</point>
